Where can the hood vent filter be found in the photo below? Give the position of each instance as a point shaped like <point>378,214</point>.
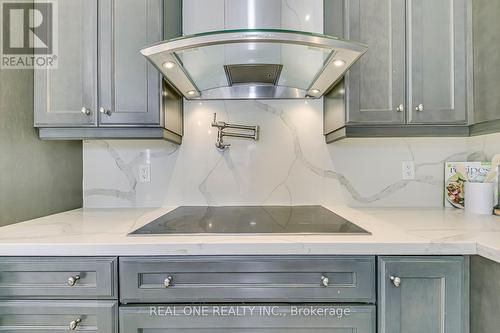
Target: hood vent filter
<point>253,74</point>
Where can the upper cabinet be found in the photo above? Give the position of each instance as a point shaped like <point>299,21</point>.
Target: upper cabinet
<point>128,84</point>
<point>413,81</point>
<point>375,85</point>
<point>437,61</point>
<point>486,29</point>
<point>67,96</point>
<point>103,87</point>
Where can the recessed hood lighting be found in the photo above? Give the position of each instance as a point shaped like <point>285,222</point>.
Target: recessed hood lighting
<point>254,64</point>
<point>169,64</point>
<point>338,63</point>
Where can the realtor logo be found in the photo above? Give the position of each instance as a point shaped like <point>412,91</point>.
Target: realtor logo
<point>28,33</point>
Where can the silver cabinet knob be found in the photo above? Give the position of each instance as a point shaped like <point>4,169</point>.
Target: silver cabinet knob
<point>74,324</point>
<point>104,111</point>
<point>168,282</point>
<point>86,111</point>
<point>396,281</point>
<point>325,281</point>
<point>400,108</point>
<point>72,280</point>
<point>419,108</point>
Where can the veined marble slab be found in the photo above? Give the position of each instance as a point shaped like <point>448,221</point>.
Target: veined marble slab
<point>103,232</point>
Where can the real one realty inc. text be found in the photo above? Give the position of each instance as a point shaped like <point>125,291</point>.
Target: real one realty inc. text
<point>249,311</point>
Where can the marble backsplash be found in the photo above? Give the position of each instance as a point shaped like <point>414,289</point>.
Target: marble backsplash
<point>290,165</point>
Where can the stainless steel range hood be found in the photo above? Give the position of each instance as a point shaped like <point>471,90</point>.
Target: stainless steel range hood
<point>254,63</point>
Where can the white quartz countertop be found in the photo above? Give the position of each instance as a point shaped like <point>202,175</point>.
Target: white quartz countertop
<point>103,232</point>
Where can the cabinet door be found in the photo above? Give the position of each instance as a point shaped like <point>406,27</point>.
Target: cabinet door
<point>58,316</point>
<point>422,294</point>
<point>60,94</point>
<point>129,86</point>
<point>254,318</point>
<point>375,85</point>
<point>437,66</point>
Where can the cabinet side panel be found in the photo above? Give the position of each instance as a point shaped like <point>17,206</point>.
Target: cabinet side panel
<point>484,295</point>
<point>486,35</point>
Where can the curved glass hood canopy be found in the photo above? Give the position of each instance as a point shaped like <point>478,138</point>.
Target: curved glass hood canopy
<point>254,64</point>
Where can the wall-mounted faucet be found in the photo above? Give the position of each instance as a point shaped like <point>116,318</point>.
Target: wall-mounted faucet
<point>222,133</point>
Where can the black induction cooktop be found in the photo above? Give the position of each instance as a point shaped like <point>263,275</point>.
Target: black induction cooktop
<point>250,220</point>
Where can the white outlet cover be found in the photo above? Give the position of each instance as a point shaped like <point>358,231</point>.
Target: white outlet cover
<point>145,173</point>
<point>408,170</point>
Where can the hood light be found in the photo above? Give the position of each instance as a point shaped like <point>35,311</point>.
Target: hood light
<point>191,92</point>
<point>338,63</point>
<point>169,65</point>
<point>315,91</point>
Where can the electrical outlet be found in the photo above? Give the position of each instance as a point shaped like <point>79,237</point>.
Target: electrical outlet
<point>408,169</point>
<point>145,173</point>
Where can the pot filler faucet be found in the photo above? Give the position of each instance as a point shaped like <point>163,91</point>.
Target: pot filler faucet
<point>247,132</point>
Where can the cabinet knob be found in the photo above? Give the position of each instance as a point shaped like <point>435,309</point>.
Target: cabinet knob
<point>419,108</point>
<point>74,324</point>
<point>86,111</point>
<point>400,108</point>
<point>72,280</point>
<point>104,111</point>
<point>396,281</point>
<point>325,281</point>
<point>168,282</point>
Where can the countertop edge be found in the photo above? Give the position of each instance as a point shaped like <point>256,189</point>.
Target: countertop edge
<point>201,249</point>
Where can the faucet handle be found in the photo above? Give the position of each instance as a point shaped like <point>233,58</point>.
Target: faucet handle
<point>214,122</point>
<point>219,124</point>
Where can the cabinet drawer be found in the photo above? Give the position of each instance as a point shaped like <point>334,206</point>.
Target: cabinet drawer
<point>61,278</point>
<point>255,318</point>
<point>58,316</point>
<point>247,279</point>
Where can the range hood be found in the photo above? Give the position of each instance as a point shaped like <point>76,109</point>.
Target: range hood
<point>254,63</point>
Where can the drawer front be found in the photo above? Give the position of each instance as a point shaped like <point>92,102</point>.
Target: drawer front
<point>331,318</point>
<point>58,316</point>
<point>58,278</point>
<point>247,279</point>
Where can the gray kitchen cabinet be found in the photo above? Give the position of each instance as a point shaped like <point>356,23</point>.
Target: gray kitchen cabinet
<point>66,96</point>
<point>247,279</point>
<point>484,295</point>
<point>375,84</point>
<point>129,89</point>
<point>58,316</point>
<point>267,318</point>
<point>414,79</point>
<point>104,88</point>
<point>486,36</point>
<point>423,294</point>
<point>437,61</point>
<point>58,278</point>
